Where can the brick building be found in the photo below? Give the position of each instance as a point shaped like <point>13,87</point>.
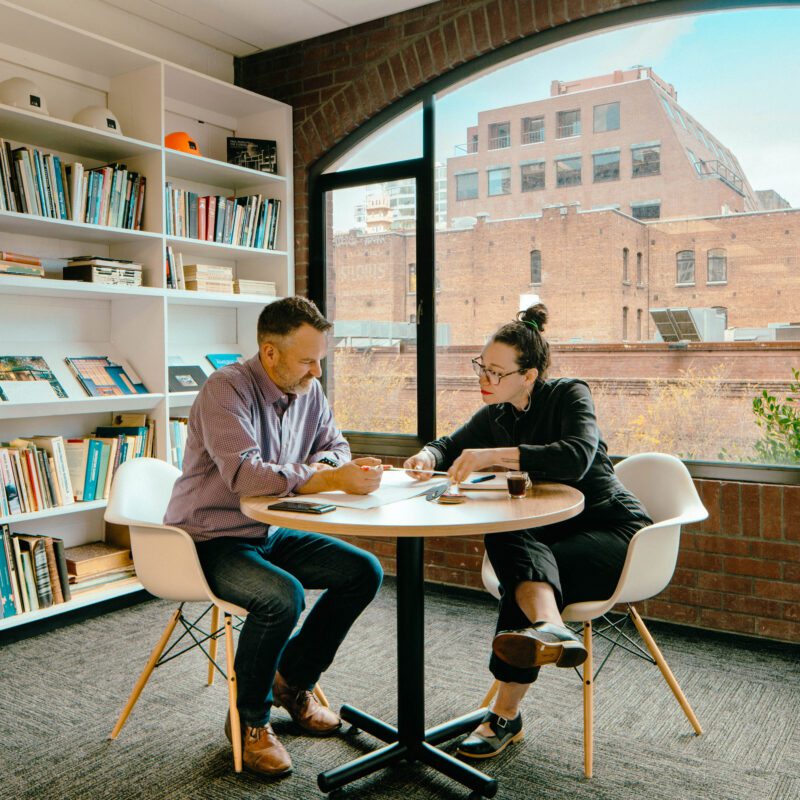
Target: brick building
<point>619,140</point>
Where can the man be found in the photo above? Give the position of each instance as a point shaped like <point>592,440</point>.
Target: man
<point>264,427</point>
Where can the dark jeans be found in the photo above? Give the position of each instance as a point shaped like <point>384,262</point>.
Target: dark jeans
<point>268,576</point>
<point>581,558</point>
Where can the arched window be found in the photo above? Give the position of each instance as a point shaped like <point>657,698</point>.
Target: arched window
<point>684,273</point>
<point>638,269</point>
<point>536,266</point>
<point>625,254</point>
<point>717,266</point>
<point>638,324</point>
<point>624,323</point>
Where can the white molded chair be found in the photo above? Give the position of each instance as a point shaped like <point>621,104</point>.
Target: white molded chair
<point>167,565</point>
<point>663,485</point>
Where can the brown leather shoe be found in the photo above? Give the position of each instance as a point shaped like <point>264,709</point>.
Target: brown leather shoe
<point>304,708</point>
<point>262,752</point>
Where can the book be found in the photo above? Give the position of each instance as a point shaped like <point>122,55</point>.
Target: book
<point>34,546</point>
<point>93,459</point>
<point>266,288</point>
<point>184,378</point>
<point>28,368</point>
<point>96,557</point>
<point>54,446</point>
<point>11,562</point>
<point>9,483</point>
<point>257,154</point>
<point>61,566</point>
<point>102,261</point>
<point>15,268</point>
<point>27,572</point>
<point>7,606</point>
<point>77,451</point>
<point>102,377</point>
<point>218,360</point>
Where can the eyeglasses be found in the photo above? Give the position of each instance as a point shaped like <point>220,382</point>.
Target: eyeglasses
<point>493,377</point>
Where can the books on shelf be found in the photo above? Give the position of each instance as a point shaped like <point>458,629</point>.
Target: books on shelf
<point>186,378</point>
<point>218,360</point>
<point>14,268</point>
<point>96,558</point>
<point>178,434</point>
<point>257,154</point>
<point>249,221</point>
<point>103,270</point>
<point>102,377</point>
<point>24,369</point>
<point>243,286</point>
<point>36,182</point>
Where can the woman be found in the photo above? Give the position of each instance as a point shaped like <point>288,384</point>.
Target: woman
<point>548,429</point>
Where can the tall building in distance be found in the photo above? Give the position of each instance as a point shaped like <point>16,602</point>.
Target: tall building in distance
<point>619,141</point>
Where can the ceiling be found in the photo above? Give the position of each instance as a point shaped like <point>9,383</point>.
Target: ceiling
<point>242,27</point>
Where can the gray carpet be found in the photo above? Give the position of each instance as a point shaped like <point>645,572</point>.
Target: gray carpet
<point>60,693</point>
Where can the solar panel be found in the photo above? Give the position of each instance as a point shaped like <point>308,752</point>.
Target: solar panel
<point>675,324</point>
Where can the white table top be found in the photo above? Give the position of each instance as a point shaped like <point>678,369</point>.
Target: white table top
<point>482,512</point>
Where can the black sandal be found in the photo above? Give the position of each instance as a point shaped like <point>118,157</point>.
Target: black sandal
<point>542,643</point>
<point>505,730</point>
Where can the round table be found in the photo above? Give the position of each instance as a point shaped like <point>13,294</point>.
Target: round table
<point>411,521</point>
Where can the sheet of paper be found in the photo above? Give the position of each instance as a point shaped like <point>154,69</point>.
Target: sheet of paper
<point>394,486</point>
<point>498,482</point>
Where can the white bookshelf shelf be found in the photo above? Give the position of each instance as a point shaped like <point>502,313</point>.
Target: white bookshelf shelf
<point>146,327</point>
<point>81,601</point>
<point>60,511</point>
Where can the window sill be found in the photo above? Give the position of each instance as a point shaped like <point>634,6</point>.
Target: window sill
<point>716,283</point>
<point>626,283</point>
<point>684,285</point>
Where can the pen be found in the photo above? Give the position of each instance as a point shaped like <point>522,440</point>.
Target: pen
<point>483,478</point>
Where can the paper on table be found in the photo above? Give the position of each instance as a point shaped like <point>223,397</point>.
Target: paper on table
<point>495,484</point>
<point>394,486</point>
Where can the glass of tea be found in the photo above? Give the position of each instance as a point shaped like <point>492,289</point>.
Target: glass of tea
<point>518,483</point>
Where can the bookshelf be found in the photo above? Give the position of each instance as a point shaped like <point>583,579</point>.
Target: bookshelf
<point>150,326</point>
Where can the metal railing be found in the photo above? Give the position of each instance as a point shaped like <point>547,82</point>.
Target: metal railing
<point>500,142</point>
<point>532,137</point>
<point>571,129</point>
<point>466,149</point>
<point>725,174</point>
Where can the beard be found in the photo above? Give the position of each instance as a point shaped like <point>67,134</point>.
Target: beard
<point>291,385</point>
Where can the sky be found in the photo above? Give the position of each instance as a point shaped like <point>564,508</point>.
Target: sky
<point>736,72</point>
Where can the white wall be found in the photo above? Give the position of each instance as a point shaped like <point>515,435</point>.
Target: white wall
<point>113,23</point>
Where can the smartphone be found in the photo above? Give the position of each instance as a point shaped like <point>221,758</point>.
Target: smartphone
<point>302,507</point>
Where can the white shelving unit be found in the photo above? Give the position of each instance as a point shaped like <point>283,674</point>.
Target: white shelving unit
<point>151,326</point>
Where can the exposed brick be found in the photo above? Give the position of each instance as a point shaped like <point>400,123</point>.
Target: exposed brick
<point>494,18</point>
<point>575,10</point>
<point>397,64</point>
<point>480,30</point>
<point>725,583</point>
<point>778,590</point>
<point>466,40</point>
<point>701,561</point>
<point>772,512</point>
<point>727,621</point>
<point>510,12</point>
<point>757,606</point>
<point>711,492</point>
<point>731,521</point>
<point>722,544</point>
<point>777,551</point>
<point>752,566</point>
<point>695,597</point>
<point>525,15</point>
<point>751,509</point>
<point>387,80</point>
<point>558,12</point>
<point>423,51</point>
<point>541,10</point>
<point>658,609</point>
<point>686,577</point>
<point>439,55</point>
<point>791,572</point>
<point>411,62</point>
<point>791,512</point>
<point>776,629</point>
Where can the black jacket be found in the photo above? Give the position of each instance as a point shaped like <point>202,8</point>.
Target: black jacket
<point>557,436</point>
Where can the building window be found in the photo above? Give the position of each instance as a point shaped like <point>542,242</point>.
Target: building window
<point>472,147</point>
<point>606,117</point>
<point>412,318</point>
<point>536,266</point>
<point>606,167</point>
<point>625,254</point>
<point>638,324</point>
<point>717,266</point>
<point>638,269</point>
<point>568,171</point>
<point>467,186</point>
<point>646,210</point>
<point>532,130</point>
<point>685,267</point>
<point>499,135</point>
<point>532,176</point>
<point>411,283</point>
<point>646,160</point>
<point>624,323</point>
<point>499,181</point>
<point>568,123</point>
<point>722,312</point>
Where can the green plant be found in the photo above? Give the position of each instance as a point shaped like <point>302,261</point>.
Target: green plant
<point>780,423</point>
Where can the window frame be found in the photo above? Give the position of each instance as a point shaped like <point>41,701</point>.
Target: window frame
<point>678,260</point>
<point>522,176</point>
<point>470,174</point>
<point>714,253</point>
<point>561,159</point>
<point>536,267</point>
<point>606,105</point>
<point>489,171</point>
<point>423,170</point>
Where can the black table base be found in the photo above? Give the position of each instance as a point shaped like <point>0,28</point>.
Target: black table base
<point>409,741</point>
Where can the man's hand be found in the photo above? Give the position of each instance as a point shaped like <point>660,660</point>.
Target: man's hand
<point>318,466</point>
<point>471,461</point>
<point>360,476</point>
<point>420,465</point>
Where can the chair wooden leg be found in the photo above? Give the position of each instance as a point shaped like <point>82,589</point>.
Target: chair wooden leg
<point>320,695</point>
<point>236,729</point>
<point>146,672</point>
<point>212,644</point>
<point>490,694</point>
<point>665,670</point>
<point>588,702</point>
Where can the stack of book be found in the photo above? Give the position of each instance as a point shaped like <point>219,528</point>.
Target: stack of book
<point>208,278</point>
<point>178,433</point>
<point>33,572</point>
<point>250,221</point>
<point>105,270</point>
<point>97,564</point>
<point>36,182</point>
<point>242,286</point>
<point>19,264</point>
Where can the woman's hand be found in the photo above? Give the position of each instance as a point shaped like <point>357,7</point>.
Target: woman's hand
<point>471,461</point>
<point>420,465</point>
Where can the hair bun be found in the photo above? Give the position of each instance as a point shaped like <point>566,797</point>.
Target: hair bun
<point>536,314</point>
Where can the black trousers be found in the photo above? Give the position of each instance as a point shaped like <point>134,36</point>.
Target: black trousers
<point>581,558</point>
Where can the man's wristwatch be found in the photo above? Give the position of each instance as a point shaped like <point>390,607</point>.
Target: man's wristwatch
<point>329,461</point>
